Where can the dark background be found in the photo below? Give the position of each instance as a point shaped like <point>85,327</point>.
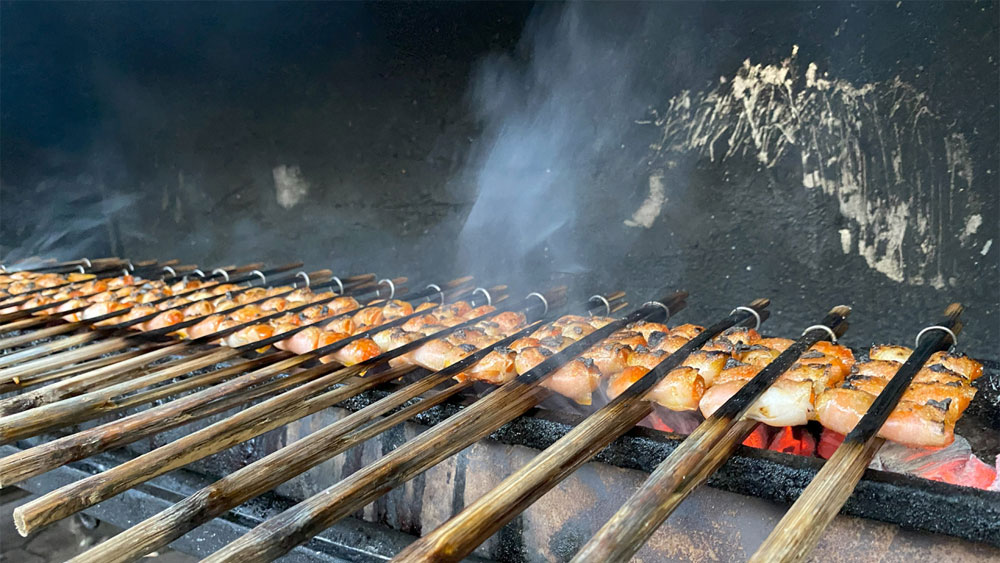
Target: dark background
<point>503,140</point>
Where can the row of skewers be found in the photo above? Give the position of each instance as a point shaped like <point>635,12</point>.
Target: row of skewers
<point>727,371</point>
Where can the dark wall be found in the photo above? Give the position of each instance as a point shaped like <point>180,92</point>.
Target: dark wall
<point>851,159</point>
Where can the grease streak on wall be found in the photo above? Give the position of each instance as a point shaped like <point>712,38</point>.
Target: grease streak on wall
<point>899,171</point>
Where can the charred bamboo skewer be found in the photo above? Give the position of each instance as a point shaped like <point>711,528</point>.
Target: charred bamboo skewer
<point>460,535</point>
<point>251,278</point>
<point>286,463</point>
<point>68,265</point>
<point>97,378</point>
<point>253,421</point>
<point>180,411</point>
<point>97,402</point>
<point>698,456</point>
<point>253,480</point>
<point>40,317</point>
<point>57,400</point>
<point>22,298</point>
<point>294,526</point>
<point>41,365</point>
<point>72,326</point>
<point>799,530</point>
<point>74,369</point>
<point>89,271</point>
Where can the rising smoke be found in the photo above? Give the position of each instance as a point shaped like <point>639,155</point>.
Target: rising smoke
<point>550,113</point>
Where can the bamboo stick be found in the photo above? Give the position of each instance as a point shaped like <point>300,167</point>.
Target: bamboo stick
<point>800,529</point>
<point>248,423</point>
<point>297,524</point>
<point>110,375</point>
<point>44,318</point>
<point>83,382</point>
<point>47,348</point>
<point>21,384</point>
<point>256,479</point>
<point>159,418</point>
<point>28,338</point>
<point>696,458</point>
<point>120,341</point>
<point>260,418</point>
<point>460,535</point>
<point>95,403</point>
<point>48,456</point>
<point>284,464</point>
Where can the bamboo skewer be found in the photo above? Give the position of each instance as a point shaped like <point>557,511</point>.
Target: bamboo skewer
<point>800,529</point>
<point>157,419</point>
<point>95,403</point>
<point>177,273</point>
<point>40,317</point>
<point>460,535</point>
<point>258,478</point>
<point>74,369</point>
<point>697,457</point>
<point>242,426</point>
<point>286,463</point>
<point>22,298</point>
<point>96,272</point>
<point>71,326</point>
<point>297,524</point>
<point>253,421</point>
<point>110,374</point>
<point>85,443</point>
<point>120,341</point>
<point>90,405</point>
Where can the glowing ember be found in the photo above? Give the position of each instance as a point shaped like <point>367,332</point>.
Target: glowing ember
<point>758,438</point>
<point>794,440</point>
<point>829,441</point>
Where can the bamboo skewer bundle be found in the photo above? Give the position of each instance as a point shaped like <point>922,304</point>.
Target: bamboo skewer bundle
<point>115,373</point>
<point>22,384</point>
<point>94,403</point>
<point>799,530</point>
<point>244,425</point>
<point>181,411</point>
<point>698,456</point>
<point>96,270</point>
<point>116,337</point>
<point>294,526</point>
<point>138,276</point>
<point>460,535</point>
<point>40,316</point>
<point>286,463</point>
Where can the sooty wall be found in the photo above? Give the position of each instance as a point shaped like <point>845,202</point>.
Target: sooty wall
<point>815,154</point>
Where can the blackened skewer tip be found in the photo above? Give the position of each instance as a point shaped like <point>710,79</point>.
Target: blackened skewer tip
<point>842,310</point>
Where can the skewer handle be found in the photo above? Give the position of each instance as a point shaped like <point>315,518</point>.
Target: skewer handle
<point>801,527</point>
